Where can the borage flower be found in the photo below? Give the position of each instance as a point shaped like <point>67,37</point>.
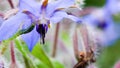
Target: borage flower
<point>40,15</point>
<point>103,27</point>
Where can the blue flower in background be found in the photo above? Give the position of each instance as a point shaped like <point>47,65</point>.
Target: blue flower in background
<point>104,28</point>
<point>39,14</point>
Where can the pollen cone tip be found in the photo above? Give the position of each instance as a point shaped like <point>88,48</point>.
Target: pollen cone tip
<point>45,2</point>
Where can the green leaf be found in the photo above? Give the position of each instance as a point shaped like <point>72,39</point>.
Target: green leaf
<point>39,53</point>
<point>27,59</point>
<point>22,48</point>
<point>27,62</point>
<point>109,56</point>
<point>39,64</point>
<point>57,64</point>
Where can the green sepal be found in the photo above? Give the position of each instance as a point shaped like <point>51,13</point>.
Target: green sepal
<point>29,29</point>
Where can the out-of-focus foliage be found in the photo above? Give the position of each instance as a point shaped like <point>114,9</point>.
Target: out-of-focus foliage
<point>116,18</point>
<point>94,3</point>
<point>109,56</point>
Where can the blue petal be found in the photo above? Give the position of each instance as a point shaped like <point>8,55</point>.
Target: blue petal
<point>10,26</point>
<point>58,16</point>
<point>31,38</point>
<point>26,24</point>
<point>29,5</point>
<point>58,4</point>
<point>74,18</point>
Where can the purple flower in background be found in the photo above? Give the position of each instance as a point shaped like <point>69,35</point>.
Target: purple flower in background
<point>38,14</point>
<point>102,26</point>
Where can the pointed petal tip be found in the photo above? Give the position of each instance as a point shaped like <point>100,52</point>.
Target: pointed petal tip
<point>31,39</point>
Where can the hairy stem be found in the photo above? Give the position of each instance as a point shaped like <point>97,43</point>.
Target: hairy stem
<point>75,45</point>
<point>13,61</point>
<point>12,52</point>
<point>55,40</point>
<point>85,37</point>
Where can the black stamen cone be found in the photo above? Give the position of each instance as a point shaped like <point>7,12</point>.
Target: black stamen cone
<point>41,29</point>
<point>43,40</point>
